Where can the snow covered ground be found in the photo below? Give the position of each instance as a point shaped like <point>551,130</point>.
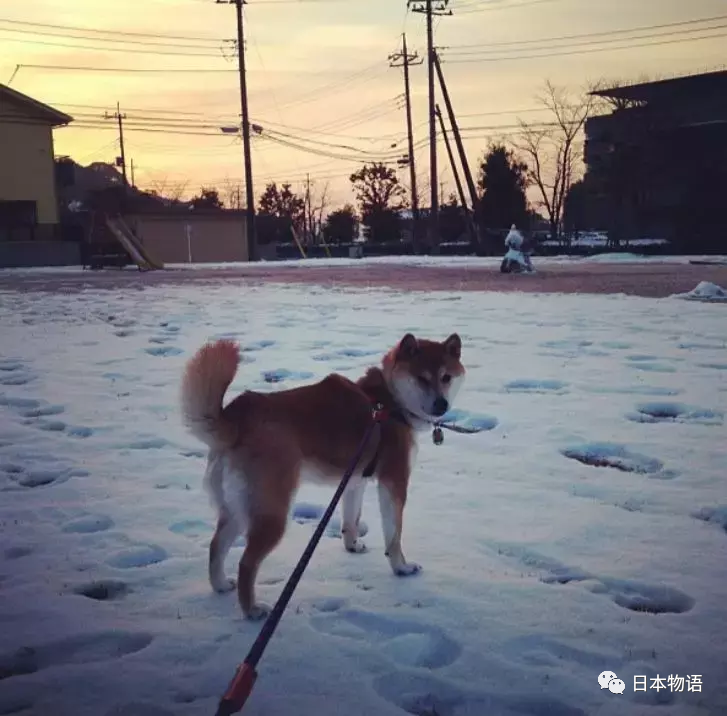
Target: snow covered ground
<point>427,261</point>
<point>585,531</point>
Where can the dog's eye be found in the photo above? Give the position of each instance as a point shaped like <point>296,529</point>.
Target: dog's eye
<point>446,379</point>
<point>422,381</point>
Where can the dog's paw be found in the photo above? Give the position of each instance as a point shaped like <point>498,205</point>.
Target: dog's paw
<point>357,547</point>
<point>259,612</point>
<point>222,586</point>
<point>407,569</point>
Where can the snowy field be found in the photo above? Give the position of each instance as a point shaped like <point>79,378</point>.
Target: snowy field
<point>426,261</point>
<point>584,530</point>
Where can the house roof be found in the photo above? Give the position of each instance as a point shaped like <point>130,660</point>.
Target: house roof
<point>707,83</point>
<point>34,108</point>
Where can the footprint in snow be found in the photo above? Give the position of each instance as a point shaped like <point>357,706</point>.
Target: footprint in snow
<point>472,421</point>
<point>257,346</point>
<point>425,695</point>
<point>140,556</point>
<point>655,390</point>
<point>669,412</point>
<point>39,477</point>
<point>80,649</point>
<point>164,351</point>
<point>17,552</point>
<point>345,353</point>
<point>713,366</point>
<point>566,344</point>
<point>58,426</point>
<point>525,385</point>
<point>629,594</point>
<point>651,366</point>
<point>105,590</point>
<point>406,642</point>
<point>88,524</point>
<point>713,515</point>
<point>281,374</point>
<point>146,444</point>
<point>142,708</point>
<point>192,528</point>
<point>43,411</point>
<point>308,513</point>
<point>19,403</point>
<point>10,365</point>
<point>16,378</point>
<point>618,457</point>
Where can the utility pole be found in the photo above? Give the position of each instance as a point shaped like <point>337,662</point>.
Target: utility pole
<point>407,61</point>
<point>455,172</point>
<point>120,118</point>
<point>252,252</point>
<point>457,135</point>
<point>458,182</point>
<point>431,8</point>
<point>307,214</point>
<point>133,183</point>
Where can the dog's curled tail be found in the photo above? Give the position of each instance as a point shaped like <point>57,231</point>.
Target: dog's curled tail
<point>206,379</point>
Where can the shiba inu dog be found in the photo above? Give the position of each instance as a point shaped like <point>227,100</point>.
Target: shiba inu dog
<point>263,444</point>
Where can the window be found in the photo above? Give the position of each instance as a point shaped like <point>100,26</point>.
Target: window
<point>17,220</point>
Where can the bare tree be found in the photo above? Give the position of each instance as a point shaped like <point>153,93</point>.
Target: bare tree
<point>232,193</point>
<point>169,190</point>
<point>317,208</point>
<point>553,149</point>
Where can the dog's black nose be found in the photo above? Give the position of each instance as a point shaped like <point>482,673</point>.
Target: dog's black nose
<point>441,406</point>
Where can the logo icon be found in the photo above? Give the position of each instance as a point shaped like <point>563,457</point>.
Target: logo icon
<point>609,680</point>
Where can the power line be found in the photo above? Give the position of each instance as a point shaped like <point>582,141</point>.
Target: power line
<point>76,46</point>
<point>131,109</point>
<point>359,76</point>
<point>110,32</point>
<point>122,70</point>
<point>587,51</point>
<point>625,30</point>
<point>589,43</point>
<point>487,7</point>
<point>122,40</point>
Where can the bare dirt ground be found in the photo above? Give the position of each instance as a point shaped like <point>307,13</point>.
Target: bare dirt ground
<point>636,279</point>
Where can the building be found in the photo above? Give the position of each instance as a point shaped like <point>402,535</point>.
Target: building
<point>656,165</point>
<point>29,213</point>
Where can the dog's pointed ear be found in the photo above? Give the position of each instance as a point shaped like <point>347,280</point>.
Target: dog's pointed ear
<point>453,346</point>
<point>408,347</point>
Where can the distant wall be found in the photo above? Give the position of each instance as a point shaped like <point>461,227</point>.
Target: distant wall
<point>26,168</point>
<point>210,238</point>
<point>20,254</point>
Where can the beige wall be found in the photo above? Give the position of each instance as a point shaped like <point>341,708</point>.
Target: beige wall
<point>216,238</point>
<point>26,163</point>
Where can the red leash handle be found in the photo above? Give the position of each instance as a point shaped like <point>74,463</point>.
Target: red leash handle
<point>238,691</point>
<point>241,685</point>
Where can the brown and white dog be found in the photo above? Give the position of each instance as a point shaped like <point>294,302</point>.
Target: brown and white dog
<point>261,444</point>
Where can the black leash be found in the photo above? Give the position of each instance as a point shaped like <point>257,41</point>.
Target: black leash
<point>242,683</point>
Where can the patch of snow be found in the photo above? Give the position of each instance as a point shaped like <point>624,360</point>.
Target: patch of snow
<point>704,291</point>
<point>562,540</point>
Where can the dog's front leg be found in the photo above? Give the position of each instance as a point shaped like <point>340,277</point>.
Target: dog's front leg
<point>352,502</point>
<point>392,498</point>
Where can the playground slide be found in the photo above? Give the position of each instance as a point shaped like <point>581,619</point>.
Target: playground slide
<point>126,238</point>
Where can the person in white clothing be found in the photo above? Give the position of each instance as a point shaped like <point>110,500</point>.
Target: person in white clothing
<point>516,259</point>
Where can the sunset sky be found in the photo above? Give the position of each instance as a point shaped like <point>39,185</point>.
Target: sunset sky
<point>319,76</point>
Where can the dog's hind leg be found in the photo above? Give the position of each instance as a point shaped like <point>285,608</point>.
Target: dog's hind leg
<point>228,527</point>
<point>270,497</point>
<point>352,502</point>
<point>225,534</point>
<point>264,534</point>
